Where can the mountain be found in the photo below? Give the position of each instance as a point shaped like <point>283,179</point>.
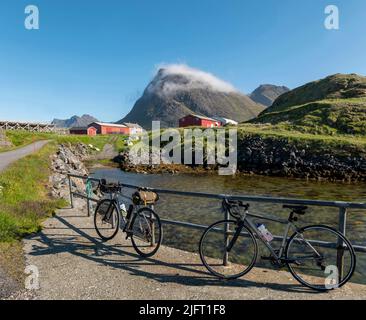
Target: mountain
<point>74,121</point>
<point>334,104</point>
<point>178,90</point>
<point>266,94</point>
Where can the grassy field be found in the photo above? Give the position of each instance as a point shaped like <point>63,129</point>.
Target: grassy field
<point>24,200</point>
<point>24,204</point>
<point>294,133</point>
<point>329,116</point>
<point>22,138</point>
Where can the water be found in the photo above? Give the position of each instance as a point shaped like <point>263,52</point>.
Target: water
<point>207,211</point>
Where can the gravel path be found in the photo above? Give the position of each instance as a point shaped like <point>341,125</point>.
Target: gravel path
<point>74,265</point>
<point>6,158</point>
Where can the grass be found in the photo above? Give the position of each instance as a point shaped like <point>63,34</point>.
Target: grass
<point>296,133</point>
<point>22,138</point>
<point>98,141</point>
<point>24,204</point>
<point>119,143</point>
<point>328,116</point>
<point>24,199</point>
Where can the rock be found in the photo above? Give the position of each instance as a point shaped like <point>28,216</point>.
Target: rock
<point>68,159</point>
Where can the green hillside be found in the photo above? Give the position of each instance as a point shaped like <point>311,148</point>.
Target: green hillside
<point>336,104</point>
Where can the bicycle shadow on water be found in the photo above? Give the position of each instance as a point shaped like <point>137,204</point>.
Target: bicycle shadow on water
<point>87,247</point>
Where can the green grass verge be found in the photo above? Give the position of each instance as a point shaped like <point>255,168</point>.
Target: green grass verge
<point>22,138</point>
<point>24,202</point>
<point>295,134</point>
<point>329,116</point>
<point>119,143</point>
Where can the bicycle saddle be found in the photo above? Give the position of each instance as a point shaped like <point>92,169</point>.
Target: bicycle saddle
<point>236,203</point>
<point>296,209</point>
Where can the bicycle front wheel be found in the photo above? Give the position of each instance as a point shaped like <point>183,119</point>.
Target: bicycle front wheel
<point>214,250</point>
<point>106,219</point>
<point>146,232</point>
<point>313,254</point>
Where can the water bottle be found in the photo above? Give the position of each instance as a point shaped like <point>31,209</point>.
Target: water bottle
<point>266,235</point>
<point>123,210</point>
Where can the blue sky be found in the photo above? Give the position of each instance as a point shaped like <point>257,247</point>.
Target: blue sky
<point>97,56</point>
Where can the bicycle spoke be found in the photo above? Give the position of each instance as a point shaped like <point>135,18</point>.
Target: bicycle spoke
<point>312,257</point>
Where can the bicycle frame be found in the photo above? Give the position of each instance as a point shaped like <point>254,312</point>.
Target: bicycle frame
<point>125,223</point>
<point>276,253</point>
<point>273,250</point>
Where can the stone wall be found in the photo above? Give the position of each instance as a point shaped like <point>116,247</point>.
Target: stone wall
<point>285,158</point>
<point>68,159</point>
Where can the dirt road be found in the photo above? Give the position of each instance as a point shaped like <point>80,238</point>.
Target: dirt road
<point>6,158</point>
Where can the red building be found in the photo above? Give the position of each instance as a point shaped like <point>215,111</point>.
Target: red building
<point>78,130</point>
<point>90,131</point>
<point>109,128</point>
<point>198,121</point>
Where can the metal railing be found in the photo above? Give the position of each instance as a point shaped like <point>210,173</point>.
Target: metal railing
<point>340,205</point>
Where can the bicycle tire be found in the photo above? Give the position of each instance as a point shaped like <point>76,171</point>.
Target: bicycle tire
<point>206,263</point>
<point>106,202</point>
<point>134,238</point>
<point>299,278</point>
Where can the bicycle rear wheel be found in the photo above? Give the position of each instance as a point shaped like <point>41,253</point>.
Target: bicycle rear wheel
<point>214,255</point>
<point>312,255</point>
<point>147,233</point>
<point>106,219</point>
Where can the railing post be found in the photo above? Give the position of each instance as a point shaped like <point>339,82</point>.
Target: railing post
<point>70,189</point>
<point>88,194</point>
<point>226,239</point>
<point>88,205</point>
<point>342,223</point>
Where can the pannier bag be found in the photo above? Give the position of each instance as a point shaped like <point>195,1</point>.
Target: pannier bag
<point>145,197</point>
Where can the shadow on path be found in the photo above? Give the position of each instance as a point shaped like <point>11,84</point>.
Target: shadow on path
<point>98,252</point>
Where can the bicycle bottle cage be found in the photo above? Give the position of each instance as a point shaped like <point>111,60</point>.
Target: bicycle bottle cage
<point>236,208</point>
<point>144,196</point>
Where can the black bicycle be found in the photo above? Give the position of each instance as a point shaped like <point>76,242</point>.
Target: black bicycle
<point>229,248</point>
<point>140,222</point>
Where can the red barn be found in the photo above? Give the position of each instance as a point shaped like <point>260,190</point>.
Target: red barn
<point>90,131</point>
<point>109,128</point>
<point>78,130</point>
<point>198,121</point>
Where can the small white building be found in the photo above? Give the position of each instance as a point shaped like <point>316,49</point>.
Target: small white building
<point>225,121</point>
<point>135,129</point>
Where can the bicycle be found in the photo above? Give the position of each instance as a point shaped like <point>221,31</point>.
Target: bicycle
<point>229,248</point>
<point>140,222</point>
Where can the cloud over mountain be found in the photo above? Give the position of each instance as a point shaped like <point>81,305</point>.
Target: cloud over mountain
<point>186,79</point>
